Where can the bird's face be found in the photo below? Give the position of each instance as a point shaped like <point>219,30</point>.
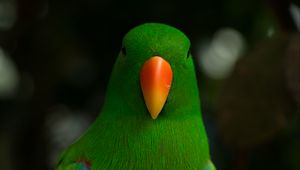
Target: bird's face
<point>155,68</point>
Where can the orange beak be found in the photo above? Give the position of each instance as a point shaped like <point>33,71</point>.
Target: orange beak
<point>156,79</point>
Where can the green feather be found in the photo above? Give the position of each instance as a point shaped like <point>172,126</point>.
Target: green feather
<point>124,136</point>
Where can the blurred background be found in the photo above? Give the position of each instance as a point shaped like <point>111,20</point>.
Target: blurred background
<point>56,57</point>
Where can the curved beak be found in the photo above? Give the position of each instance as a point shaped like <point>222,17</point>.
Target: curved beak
<point>156,79</point>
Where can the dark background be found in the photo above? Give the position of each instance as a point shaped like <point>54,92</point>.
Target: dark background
<point>56,57</point>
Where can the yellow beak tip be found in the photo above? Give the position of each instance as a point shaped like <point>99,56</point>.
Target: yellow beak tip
<point>154,116</point>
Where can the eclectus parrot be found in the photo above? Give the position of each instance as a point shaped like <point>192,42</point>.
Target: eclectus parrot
<point>151,117</point>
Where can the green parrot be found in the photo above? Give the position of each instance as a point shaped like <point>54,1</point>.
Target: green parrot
<point>151,116</point>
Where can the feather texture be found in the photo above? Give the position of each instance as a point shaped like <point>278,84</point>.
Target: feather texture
<point>124,136</point>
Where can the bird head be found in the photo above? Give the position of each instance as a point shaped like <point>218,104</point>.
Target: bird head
<point>154,70</point>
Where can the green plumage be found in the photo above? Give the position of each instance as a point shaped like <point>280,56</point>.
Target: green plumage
<point>124,136</point>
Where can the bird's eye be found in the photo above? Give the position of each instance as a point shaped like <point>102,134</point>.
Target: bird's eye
<point>188,53</point>
<point>123,50</point>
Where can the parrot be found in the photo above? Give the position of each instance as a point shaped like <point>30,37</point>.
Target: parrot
<point>151,116</point>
